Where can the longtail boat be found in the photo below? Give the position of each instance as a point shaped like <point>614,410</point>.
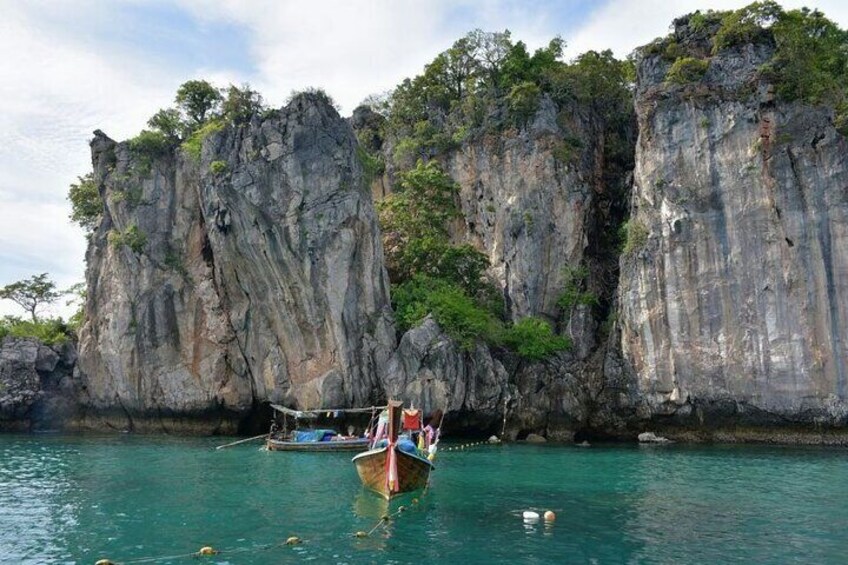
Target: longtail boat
<point>395,465</point>
<point>314,438</point>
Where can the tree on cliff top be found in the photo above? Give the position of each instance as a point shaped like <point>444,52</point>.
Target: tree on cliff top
<point>199,103</point>
<point>198,100</point>
<point>31,293</point>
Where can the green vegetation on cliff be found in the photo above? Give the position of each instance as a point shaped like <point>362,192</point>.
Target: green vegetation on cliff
<point>810,52</point>
<point>487,83</point>
<point>131,237</point>
<point>200,110</point>
<point>86,203</point>
<point>687,69</point>
<point>432,276</point>
<point>428,272</point>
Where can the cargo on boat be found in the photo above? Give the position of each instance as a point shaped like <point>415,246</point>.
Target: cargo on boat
<point>313,438</point>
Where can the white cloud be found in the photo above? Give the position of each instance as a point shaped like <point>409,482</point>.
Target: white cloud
<point>56,90</point>
<point>60,79</point>
<point>353,49</point>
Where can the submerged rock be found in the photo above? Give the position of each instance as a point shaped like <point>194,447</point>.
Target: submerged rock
<point>651,437</point>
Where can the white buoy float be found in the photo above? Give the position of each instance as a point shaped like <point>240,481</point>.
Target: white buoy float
<point>530,516</point>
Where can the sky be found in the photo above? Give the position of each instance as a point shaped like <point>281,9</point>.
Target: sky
<point>68,68</point>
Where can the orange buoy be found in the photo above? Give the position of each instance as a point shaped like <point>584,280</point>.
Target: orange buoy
<point>207,550</point>
<point>550,516</point>
<point>294,540</point>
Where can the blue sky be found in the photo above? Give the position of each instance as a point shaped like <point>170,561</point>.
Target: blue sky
<point>71,67</point>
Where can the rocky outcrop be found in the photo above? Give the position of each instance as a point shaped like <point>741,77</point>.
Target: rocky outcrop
<point>734,308</point>
<point>535,200</point>
<point>251,274</point>
<point>487,389</point>
<point>526,197</point>
<point>37,389</point>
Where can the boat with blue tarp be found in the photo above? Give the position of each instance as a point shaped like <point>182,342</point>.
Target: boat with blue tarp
<point>313,438</point>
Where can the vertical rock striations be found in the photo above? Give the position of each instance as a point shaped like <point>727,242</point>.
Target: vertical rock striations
<point>252,273</point>
<point>734,296</point>
<point>537,199</point>
<point>525,203</point>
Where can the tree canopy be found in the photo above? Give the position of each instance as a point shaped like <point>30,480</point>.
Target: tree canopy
<point>32,293</point>
<point>197,99</point>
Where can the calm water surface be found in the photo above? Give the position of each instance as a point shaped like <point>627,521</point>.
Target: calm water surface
<point>68,499</point>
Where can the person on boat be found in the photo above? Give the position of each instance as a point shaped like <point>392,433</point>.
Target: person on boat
<point>382,425</point>
<point>431,430</point>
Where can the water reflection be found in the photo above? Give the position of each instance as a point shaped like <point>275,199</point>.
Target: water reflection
<point>369,505</point>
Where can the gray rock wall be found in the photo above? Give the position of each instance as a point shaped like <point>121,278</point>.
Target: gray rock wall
<point>263,282</point>
<point>526,206</point>
<point>737,304</point>
<point>531,207</point>
<point>37,389</point>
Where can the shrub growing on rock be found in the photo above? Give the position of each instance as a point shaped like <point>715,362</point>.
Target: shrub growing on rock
<point>132,237</point>
<point>86,203</point>
<point>687,70</point>
<point>533,339</point>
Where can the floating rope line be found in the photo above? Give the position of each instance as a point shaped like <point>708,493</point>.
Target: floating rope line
<point>464,446</point>
<point>203,552</point>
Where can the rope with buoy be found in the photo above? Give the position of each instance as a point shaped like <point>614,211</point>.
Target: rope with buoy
<point>464,446</point>
<point>205,551</point>
<point>384,521</point>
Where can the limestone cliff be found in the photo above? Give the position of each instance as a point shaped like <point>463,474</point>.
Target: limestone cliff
<point>527,207</point>
<point>251,274</point>
<point>734,308</point>
<point>536,199</point>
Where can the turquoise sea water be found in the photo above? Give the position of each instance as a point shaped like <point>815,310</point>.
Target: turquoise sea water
<point>71,499</point>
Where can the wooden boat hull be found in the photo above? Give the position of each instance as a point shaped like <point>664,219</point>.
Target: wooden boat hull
<point>316,446</point>
<point>413,472</point>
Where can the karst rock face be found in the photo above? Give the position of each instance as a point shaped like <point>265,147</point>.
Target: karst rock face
<point>734,307</point>
<point>526,206</point>
<point>534,199</point>
<point>254,272</point>
<point>259,276</point>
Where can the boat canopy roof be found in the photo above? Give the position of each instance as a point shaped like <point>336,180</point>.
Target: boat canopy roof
<point>311,414</point>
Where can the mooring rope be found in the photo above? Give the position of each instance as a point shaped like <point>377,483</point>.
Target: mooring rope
<point>203,552</point>
<point>384,520</point>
